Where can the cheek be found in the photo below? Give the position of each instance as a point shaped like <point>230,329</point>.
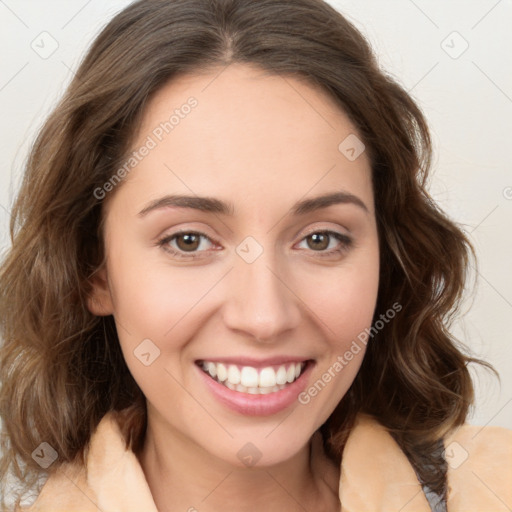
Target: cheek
<point>348,306</point>
<point>343,299</point>
<point>152,308</point>
<point>158,309</point>
<point>153,298</point>
<point>343,303</point>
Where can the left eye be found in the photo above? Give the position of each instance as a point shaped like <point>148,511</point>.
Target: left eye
<point>326,241</point>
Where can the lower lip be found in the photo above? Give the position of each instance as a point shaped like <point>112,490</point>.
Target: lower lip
<point>257,405</point>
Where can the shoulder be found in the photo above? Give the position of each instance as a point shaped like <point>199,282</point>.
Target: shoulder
<point>372,455</point>
<point>111,479</point>
<point>479,468</point>
<point>65,490</point>
<point>479,473</point>
<point>67,487</point>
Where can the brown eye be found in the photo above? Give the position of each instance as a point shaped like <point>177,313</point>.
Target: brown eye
<point>318,241</point>
<point>188,241</point>
<point>327,243</point>
<point>186,244</point>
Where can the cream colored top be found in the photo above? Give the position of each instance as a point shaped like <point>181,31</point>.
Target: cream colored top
<point>375,474</point>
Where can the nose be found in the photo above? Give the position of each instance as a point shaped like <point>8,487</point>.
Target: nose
<point>261,303</point>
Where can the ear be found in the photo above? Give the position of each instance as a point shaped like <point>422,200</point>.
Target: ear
<point>99,301</point>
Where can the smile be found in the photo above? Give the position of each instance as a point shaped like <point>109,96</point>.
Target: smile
<point>251,380</point>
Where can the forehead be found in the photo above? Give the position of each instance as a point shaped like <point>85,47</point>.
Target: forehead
<point>248,133</point>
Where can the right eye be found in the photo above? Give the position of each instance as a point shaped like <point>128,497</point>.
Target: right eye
<point>184,244</point>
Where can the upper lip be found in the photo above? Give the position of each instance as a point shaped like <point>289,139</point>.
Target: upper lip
<point>256,363</point>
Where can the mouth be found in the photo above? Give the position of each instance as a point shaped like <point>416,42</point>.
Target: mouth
<point>254,380</point>
<point>255,388</point>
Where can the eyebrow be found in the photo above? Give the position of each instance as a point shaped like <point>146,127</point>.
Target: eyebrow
<point>212,205</point>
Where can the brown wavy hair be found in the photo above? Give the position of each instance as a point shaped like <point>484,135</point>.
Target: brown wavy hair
<point>61,367</point>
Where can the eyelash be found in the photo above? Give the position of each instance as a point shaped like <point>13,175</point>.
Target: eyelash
<point>345,241</point>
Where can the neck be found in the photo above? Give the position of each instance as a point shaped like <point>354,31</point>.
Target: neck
<point>183,476</point>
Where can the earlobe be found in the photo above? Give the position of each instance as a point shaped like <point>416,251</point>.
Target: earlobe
<point>99,300</point>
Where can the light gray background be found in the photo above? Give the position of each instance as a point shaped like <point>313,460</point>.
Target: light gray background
<point>467,98</point>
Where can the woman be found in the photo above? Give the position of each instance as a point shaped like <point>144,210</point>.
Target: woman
<point>228,285</point>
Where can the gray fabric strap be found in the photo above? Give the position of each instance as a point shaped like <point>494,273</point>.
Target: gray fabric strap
<point>437,504</point>
<point>435,460</point>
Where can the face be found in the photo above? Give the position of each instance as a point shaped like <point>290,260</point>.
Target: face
<point>234,287</point>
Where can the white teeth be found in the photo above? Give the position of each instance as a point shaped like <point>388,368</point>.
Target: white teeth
<point>281,375</point>
<point>222,373</point>
<point>212,369</point>
<point>233,374</point>
<point>267,378</point>
<point>247,379</point>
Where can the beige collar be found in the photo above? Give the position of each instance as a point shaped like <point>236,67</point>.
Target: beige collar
<point>375,474</point>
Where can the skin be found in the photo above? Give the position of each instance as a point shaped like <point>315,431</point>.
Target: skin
<point>262,143</point>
